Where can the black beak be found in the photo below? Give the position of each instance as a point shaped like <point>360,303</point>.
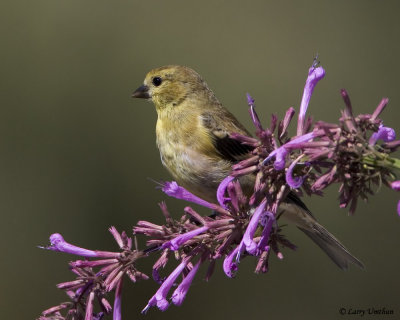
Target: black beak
<point>141,92</point>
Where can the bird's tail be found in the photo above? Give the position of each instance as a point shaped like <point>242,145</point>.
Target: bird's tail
<point>331,246</point>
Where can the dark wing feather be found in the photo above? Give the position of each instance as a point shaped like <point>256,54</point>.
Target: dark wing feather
<point>230,149</point>
<point>293,198</point>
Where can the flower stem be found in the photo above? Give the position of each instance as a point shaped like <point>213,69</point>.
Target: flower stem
<point>382,160</point>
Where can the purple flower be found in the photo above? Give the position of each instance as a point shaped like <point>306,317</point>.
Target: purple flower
<point>55,309</point>
<point>221,191</point>
<point>395,185</point>
<point>156,276</point>
<point>229,266</point>
<point>117,301</point>
<point>160,263</point>
<point>294,182</point>
<point>92,264</point>
<point>180,293</point>
<point>106,305</point>
<point>384,133</point>
<point>262,244</point>
<point>98,316</point>
<point>247,240</point>
<point>117,236</point>
<point>253,114</point>
<point>172,189</point>
<point>348,112</point>
<point>379,108</point>
<point>326,179</point>
<point>280,158</point>
<point>286,121</point>
<point>398,208</point>
<point>159,298</point>
<point>175,243</point>
<point>281,152</point>
<point>57,243</point>
<point>314,75</point>
<point>89,306</point>
<point>250,100</point>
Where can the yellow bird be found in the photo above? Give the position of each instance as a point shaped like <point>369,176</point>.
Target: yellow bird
<point>193,131</point>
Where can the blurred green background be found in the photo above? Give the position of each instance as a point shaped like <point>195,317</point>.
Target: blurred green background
<point>77,152</point>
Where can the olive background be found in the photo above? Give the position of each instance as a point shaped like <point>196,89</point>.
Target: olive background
<point>78,154</point>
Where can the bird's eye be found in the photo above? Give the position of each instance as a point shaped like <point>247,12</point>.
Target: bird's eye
<point>157,81</point>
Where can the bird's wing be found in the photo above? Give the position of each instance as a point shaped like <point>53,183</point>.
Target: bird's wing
<point>220,125</point>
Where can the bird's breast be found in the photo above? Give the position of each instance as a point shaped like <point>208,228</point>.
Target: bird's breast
<point>188,154</point>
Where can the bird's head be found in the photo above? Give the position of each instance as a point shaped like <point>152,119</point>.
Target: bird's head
<point>170,86</point>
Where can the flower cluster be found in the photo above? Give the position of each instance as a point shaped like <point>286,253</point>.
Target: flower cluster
<point>325,153</point>
<point>91,285</point>
<point>194,240</point>
<point>356,154</point>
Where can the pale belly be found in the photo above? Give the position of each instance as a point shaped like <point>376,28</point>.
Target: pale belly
<point>196,172</point>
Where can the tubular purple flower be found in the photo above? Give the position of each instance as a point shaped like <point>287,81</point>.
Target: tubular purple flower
<point>175,243</point>
<point>280,153</point>
<point>314,75</point>
<point>117,301</point>
<point>180,293</point>
<point>250,100</point>
<point>221,191</point>
<point>384,133</point>
<point>194,215</point>
<point>294,182</point>
<point>274,121</point>
<point>70,284</point>
<point>106,305</point>
<point>245,139</point>
<point>348,112</point>
<point>346,99</point>
<point>280,159</point>
<point>253,113</point>
<point>398,208</point>
<point>229,266</point>
<point>89,306</point>
<point>172,189</point>
<point>116,236</point>
<point>57,243</point>
<point>323,181</point>
<point>55,309</point>
<point>98,316</point>
<point>162,261</point>
<point>246,163</point>
<point>113,278</point>
<point>286,121</point>
<point>91,264</point>
<point>393,145</point>
<point>159,298</point>
<point>247,240</point>
<point>262,264</point>
<point>395,185</point>
<point>379,108</point>
<point>156,276</point>
<point>263,243</point>
<point>232,192</point>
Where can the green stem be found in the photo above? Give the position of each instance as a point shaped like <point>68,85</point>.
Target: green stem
<point>382,160</point>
